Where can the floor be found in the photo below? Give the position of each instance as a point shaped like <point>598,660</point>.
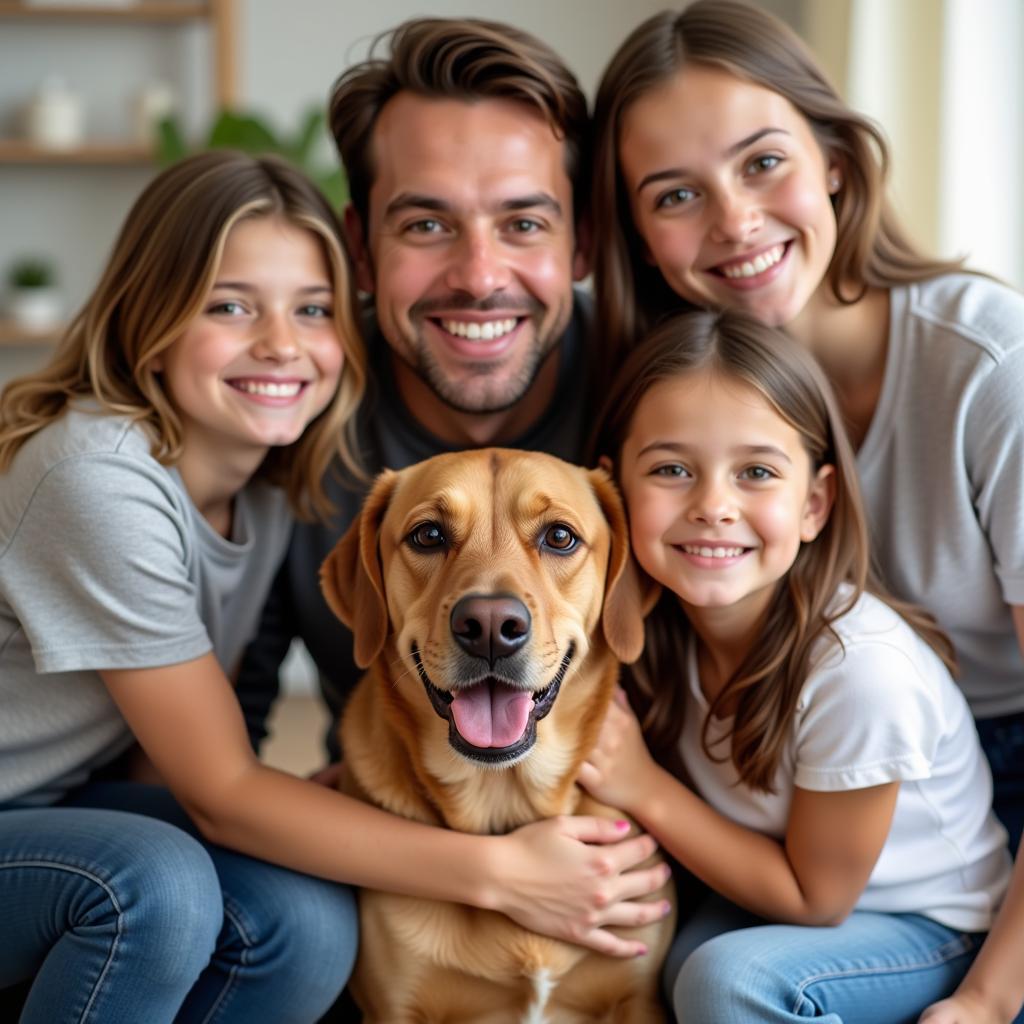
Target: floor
<point>297,727</point>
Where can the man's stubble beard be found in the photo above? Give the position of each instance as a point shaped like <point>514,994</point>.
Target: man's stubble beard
<point>462,396</point>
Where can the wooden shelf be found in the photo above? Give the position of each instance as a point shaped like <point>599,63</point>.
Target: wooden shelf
<point>13,336</point>
<point>18,151</point>
<point>141,10</point>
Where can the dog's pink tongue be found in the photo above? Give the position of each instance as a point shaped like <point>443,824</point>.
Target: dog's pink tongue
<point>491,714</point>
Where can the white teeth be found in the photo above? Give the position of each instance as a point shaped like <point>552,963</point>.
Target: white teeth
<point>758,265</point>
<point>269,388</point>
<point>475,331</point>
<point>706,552</point>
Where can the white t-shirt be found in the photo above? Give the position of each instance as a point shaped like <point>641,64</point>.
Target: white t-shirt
<point>881,708</point>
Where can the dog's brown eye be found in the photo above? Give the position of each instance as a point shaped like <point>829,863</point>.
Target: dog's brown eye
<point>427,537</point>
<point>559,538</point>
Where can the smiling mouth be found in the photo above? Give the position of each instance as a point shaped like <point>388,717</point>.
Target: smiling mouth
<point>477,330</point>
<point>268,388</point>
<point>717,551</point>
<point>491,721</point>
<point>741,270</point>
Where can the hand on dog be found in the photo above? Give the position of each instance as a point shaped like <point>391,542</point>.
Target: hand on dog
<point>619,767</point>
<point>571,877</point>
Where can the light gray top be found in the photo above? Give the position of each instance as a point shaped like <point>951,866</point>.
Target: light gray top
<point>106,563</point>
<point>942,468</point>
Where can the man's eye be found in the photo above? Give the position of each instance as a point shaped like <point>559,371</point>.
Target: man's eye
<point>427,226</point>
<point>558,537</point>
<point>525,226</point>
<point>428,537</point>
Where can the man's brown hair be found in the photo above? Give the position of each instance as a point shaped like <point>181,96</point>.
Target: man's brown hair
<point>466,59</point>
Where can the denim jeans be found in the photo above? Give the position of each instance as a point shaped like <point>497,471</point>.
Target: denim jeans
<point>123,915</point>
<point>1002,739</point>
<point>729,967</point>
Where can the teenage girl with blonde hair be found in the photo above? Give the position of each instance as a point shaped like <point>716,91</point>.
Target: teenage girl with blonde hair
<point>148,481</point>
<point>840,810</point>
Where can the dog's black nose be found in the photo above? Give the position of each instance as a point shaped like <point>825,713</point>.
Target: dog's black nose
<point>490,626</point>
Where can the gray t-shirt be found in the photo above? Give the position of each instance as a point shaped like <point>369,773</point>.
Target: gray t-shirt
<point>942,469</point>
<point>105,563</point>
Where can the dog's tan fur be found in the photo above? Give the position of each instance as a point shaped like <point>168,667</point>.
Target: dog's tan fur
<point>429,961</point>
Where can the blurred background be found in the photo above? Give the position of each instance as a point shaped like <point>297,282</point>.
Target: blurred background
<point>83,84</point>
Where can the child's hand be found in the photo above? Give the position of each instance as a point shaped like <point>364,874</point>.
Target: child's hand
<point>962,1008</point>
<point>618,768</point>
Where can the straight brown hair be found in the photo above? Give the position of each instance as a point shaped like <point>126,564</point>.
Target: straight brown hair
<point>767,685</point>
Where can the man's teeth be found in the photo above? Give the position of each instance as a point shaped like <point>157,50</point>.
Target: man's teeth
<point>475,331</point>
<point>758,265</point>
<point>705,552</point>
<point>283,389</point>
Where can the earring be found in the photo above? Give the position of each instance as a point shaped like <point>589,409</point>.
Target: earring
<point>833,183</point>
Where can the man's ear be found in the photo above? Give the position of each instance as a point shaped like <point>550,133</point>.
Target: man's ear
<point>355,237</point>
<point>583,256</point>
<point>818,507</point>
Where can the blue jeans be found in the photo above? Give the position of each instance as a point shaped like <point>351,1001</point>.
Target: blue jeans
<point>729,967</point>
<point>124,915</point>
<point>1002,739</point>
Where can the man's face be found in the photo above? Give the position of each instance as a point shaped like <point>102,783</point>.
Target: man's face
<point>470,249</point>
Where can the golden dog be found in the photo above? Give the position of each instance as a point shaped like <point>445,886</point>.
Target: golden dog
<point>490,596</point>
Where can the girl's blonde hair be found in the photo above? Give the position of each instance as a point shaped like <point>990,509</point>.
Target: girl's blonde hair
<point>157,280</point>
<point>871,249</point>
<point>767,685</point>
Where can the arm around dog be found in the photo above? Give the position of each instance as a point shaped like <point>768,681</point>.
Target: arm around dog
<point>566,877</point>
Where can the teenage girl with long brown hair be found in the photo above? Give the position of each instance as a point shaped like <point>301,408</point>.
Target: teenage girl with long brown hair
<point>838,784</point>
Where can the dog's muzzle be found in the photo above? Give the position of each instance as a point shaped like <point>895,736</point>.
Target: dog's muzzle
<point>491,720</point>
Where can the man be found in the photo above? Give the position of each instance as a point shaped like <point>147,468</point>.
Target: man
<point>465,152</point>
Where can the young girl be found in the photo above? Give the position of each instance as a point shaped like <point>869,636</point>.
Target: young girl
<point>730,175</point>
<point>839,784</point>
<point>145,483</point>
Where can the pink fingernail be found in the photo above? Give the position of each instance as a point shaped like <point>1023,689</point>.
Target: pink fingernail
<point>642,951</point>
<point>621,825</point>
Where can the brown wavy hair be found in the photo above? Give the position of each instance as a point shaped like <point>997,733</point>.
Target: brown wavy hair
<point>767,685</point>
<point>457,58</point>
<point>872,249</point>
<point>159,275</point>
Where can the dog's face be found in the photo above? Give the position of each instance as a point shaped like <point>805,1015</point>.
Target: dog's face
<point>485,579</point>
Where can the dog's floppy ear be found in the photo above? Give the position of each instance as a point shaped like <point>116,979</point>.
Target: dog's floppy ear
<point>351,578</point>
<point>629,593</point>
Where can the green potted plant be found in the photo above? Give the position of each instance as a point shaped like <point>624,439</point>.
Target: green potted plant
<point>251,134</point>
<point>34,302</point>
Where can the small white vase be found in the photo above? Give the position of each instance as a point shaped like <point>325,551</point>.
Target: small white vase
<point>36,310</point>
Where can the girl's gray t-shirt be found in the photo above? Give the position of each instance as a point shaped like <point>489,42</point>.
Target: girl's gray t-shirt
<point>105,563</point>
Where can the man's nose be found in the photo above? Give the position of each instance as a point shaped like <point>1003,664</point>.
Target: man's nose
<point>478,265</point>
